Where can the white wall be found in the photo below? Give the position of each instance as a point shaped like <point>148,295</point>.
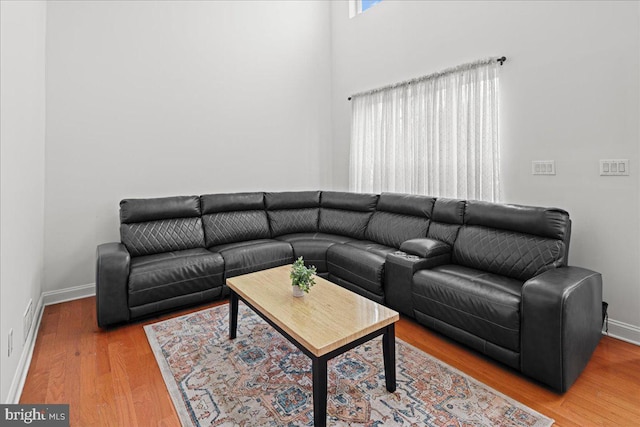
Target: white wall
<point>569,92</point>
<point>150,99</point>
<point>22,133</point>
<point>160,98</point>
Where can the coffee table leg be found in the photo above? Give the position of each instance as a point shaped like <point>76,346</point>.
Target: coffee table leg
<point>233,314</point>
<point>389,353</point>
<point>319,367</point>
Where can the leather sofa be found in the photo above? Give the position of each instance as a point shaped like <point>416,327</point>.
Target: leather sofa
<point>492,276</point>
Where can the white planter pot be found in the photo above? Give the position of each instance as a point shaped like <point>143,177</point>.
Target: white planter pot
<point>297,292</point>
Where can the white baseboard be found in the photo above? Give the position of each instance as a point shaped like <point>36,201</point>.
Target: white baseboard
<point>69,294</point>
<point>46,298</point>
<point>624,331</point>
<point>15,390</point>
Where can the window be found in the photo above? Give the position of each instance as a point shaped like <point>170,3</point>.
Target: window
<point>358,6</point>
<point>436,135</point>
<point>366,4</point>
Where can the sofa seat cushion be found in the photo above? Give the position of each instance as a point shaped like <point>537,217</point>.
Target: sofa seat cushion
<point>170,274</point>
<point>313,247</point>
<point>484,304</point>
<point>357,265</point>
<point>253,255</point>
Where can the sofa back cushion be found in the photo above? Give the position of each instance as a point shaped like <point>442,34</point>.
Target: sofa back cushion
<point>515,241</point>
<point>446,220</point>
<point>236,217</point>
<point>293,212</point>
<point>399,217</point>
<point>346,214</point>
<point>151,226</point>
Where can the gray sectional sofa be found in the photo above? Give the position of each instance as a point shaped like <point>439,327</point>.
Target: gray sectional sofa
<point>492,276</point>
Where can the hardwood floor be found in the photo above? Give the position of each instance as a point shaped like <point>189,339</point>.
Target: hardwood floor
<point>110,378</point>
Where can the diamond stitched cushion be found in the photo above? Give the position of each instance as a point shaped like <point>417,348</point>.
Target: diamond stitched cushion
<point>444,232</point>
<point>343,222</point>
<point>517,255</point>
<point>153,237</point>
<point>391,229</point>
<point>289,221</point>
<point>229,227</point>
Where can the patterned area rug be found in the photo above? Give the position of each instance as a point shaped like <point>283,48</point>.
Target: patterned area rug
<point>260,379</point>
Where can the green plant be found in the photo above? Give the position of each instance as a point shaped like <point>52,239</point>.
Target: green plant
<point>302,276</point>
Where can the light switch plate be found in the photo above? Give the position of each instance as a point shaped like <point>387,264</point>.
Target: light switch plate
<point>543,167</point>
<point>614,167</point>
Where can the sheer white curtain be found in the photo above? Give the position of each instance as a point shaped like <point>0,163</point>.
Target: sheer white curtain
<point>437,135</point>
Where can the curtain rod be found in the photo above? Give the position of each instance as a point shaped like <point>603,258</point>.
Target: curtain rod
<point>431,76</point>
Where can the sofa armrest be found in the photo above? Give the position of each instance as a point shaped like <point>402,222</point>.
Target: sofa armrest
<point>561,326</point>
<point>399,269</point>
<point>425,248</point>
<point>112,275</point>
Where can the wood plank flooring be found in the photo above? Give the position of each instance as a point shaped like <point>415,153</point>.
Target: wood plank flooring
<point>110,378</point>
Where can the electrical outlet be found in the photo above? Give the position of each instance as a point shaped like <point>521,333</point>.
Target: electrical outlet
<point>27,320</point>
<point>10,343</point>
<point>543,167</point>
<point>614,167</point>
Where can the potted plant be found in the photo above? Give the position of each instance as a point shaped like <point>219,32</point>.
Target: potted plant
<point>302,277</point>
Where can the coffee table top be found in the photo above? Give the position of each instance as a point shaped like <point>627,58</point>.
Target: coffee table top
<point>325,319</point>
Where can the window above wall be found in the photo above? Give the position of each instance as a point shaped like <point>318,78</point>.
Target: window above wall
<point>356,7</point>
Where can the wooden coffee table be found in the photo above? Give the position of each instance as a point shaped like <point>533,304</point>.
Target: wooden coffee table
<point>323,324</point>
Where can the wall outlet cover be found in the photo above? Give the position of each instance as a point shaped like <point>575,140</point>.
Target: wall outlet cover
<point>27,320</point>
<point>10,343</point>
